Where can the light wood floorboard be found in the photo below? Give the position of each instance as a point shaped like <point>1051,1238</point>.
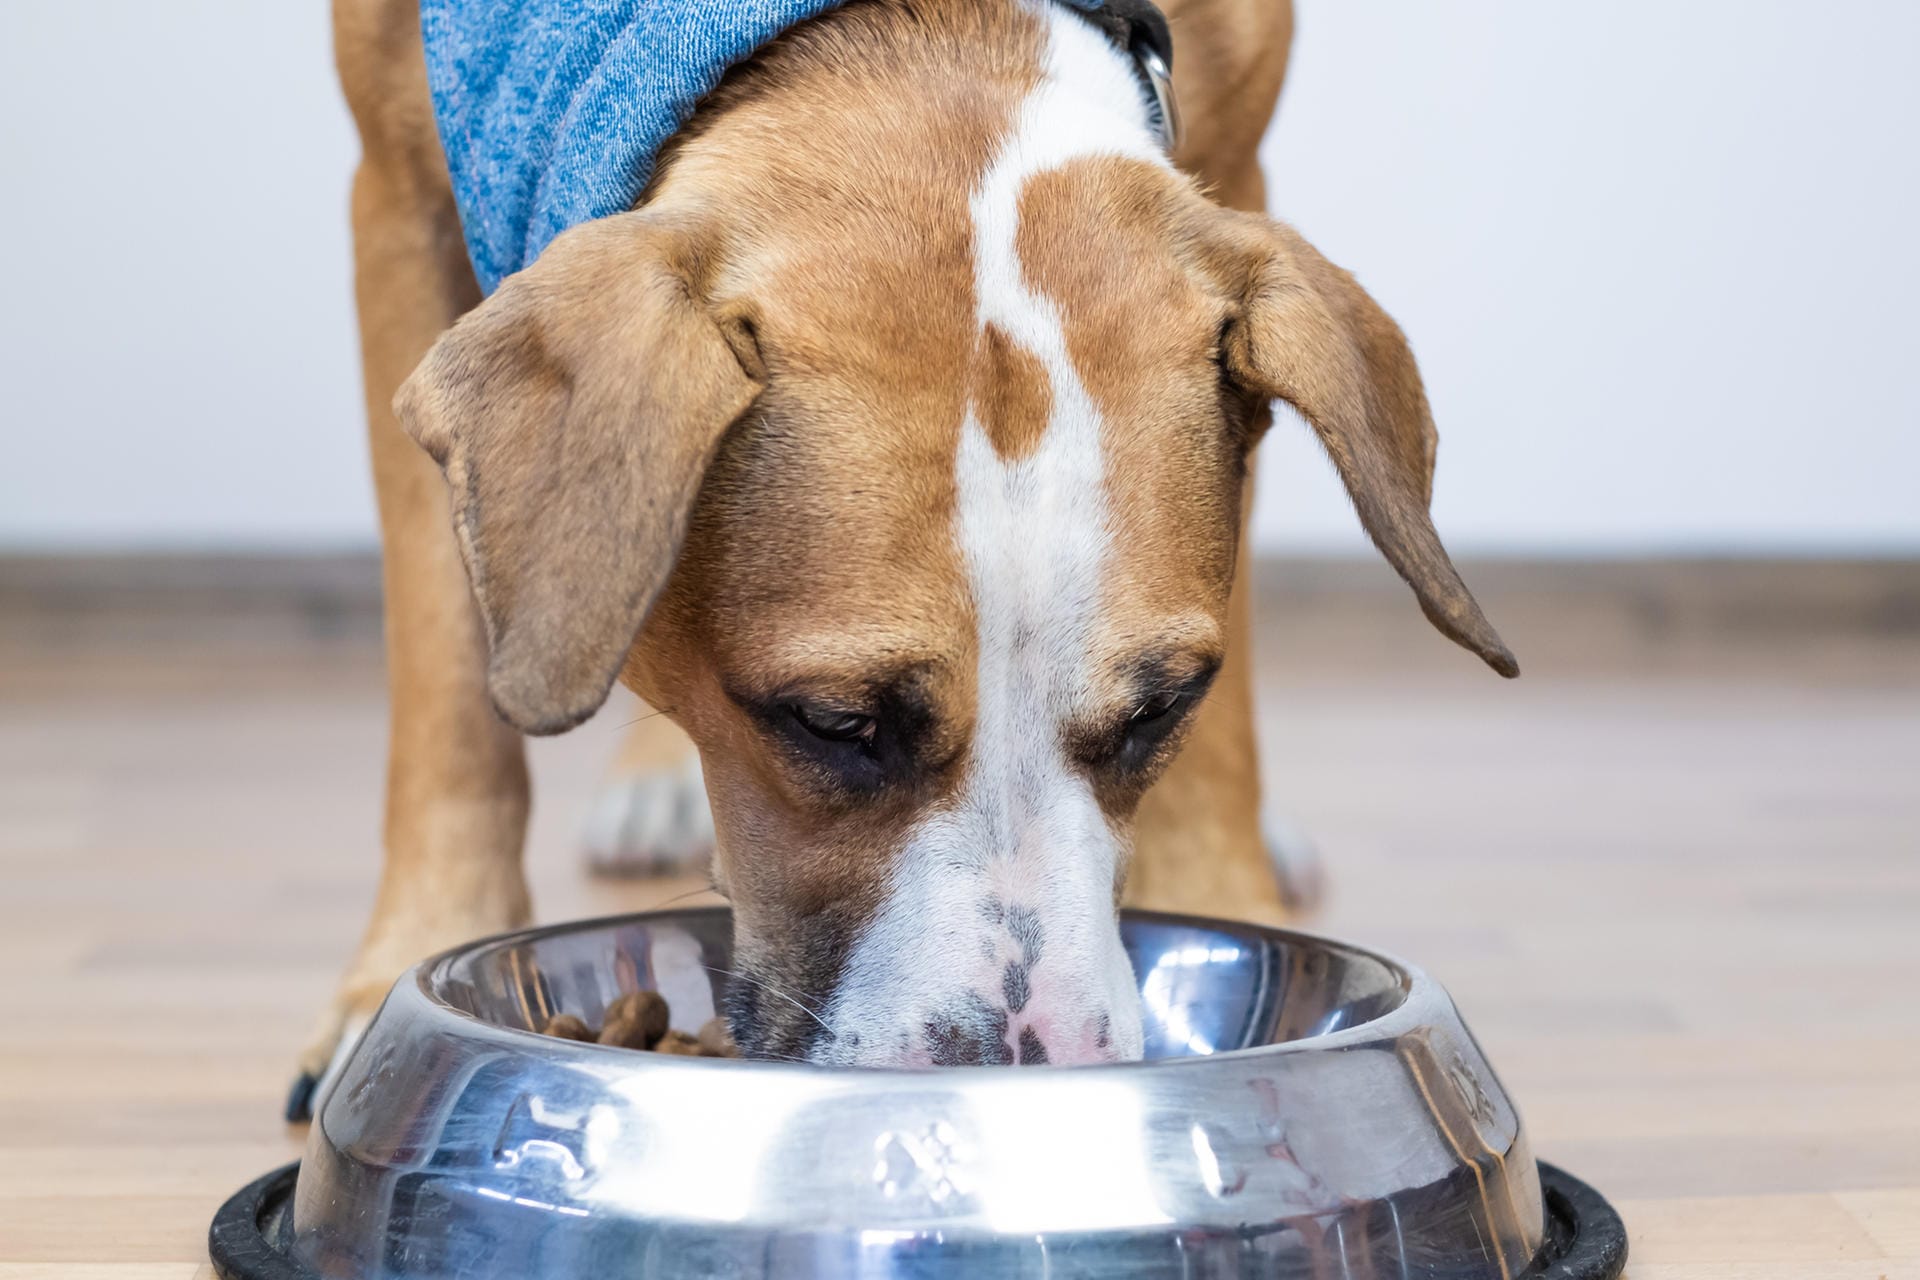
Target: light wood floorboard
<point>1672,876</point>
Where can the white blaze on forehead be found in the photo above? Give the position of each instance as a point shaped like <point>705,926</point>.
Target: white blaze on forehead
<point>1025,830</point>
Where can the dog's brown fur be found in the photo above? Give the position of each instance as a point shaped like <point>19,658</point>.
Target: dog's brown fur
<point>762,273</point>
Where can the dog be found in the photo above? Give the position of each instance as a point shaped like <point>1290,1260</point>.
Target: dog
<point>895,444</point>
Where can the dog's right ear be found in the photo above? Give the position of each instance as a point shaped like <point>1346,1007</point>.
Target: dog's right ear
<point>574,413</point>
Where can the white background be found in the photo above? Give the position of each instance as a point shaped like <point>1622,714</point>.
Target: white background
<point>1658,260</point>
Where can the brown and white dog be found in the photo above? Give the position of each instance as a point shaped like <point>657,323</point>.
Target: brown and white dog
<point>897,447</point>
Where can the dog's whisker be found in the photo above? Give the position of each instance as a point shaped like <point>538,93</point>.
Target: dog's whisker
<point>640,719</point>
<point>770,989</point>
<point>681,897</point>
<point>765,985</point>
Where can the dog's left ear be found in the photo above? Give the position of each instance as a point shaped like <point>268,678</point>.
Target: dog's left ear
<point>574,413</point>
<point>1301,330</point>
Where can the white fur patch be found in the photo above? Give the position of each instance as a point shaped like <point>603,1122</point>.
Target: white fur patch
<point>1026,833</point>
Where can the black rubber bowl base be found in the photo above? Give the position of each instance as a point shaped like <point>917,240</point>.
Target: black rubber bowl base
<point>1585,1238</point>
<point>244,1240</point>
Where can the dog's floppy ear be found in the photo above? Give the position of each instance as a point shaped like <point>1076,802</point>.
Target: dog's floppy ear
<point>1303,331</point>
<point>574,413</point>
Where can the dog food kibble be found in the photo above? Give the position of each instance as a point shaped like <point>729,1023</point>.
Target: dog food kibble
<point>638,1020</point>
<point>680,1044</point>
<point>716,1039</point>
<point>567,1027</point>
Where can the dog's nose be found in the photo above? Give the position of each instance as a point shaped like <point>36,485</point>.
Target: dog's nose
<point>1044,1040</point>
<point>979,1032</point>
<point>972,1035</point>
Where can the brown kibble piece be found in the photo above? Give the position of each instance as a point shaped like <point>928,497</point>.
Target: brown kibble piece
<point>678,1043</point>
<point>624,1033</point>
<point>636,1020</point>
<point>567,1027</point>
<point>716,1039</point>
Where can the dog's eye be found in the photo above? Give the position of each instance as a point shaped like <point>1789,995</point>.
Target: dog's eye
<point>1157,707</point>
<point>1136,739</point>
<point>836,726</point>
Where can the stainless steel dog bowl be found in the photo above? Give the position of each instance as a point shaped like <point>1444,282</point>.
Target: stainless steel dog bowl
<point>1308,1108</point>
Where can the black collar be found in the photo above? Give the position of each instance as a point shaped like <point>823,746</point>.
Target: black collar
<point>1139,29</point>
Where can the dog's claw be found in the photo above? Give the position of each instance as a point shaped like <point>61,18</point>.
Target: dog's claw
<point>300,1098</point>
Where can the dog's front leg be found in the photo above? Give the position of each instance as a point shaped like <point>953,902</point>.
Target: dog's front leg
<point>456,802</point>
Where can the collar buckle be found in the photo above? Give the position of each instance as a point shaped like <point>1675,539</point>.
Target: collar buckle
<point>1139,30</point>
<point>1159,77</point>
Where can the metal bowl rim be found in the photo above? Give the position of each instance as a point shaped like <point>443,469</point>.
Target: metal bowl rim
<point>1417,990</point>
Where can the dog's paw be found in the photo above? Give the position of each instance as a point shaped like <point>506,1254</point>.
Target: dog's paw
<point>334,1039</point>
<point>652,822</point>
<point>1296,864</point>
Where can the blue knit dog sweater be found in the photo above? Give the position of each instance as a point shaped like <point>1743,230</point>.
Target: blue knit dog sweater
<point>552,111</point>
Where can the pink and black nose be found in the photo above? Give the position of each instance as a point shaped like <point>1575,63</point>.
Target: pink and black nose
<point>978,1031</point>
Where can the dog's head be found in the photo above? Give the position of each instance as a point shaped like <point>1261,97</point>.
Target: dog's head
<point>908,479</point>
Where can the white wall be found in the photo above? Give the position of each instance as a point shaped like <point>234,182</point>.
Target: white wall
<point>1657,260</point>
<point>180,365</point>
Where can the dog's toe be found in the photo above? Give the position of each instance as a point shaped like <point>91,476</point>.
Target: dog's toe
<point>1296,862</point>
<point>322,1061</point>
<point>651,823</point>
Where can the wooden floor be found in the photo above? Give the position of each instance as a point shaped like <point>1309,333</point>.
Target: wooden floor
<point>1672,877</point>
